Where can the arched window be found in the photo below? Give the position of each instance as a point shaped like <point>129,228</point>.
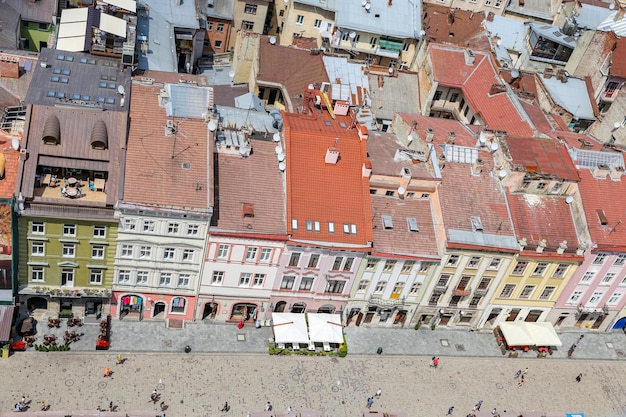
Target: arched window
<point>178,305</point>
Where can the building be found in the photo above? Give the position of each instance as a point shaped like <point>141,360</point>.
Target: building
<point>166,206</point>
<point>219,19</point>
<point>69,180</point>
<point>30,23</point>
<point>250,16</point>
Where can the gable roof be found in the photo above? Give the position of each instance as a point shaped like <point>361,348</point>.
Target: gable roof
<point>541,155</point>
<point>336,193</point>
<point>498,111</point>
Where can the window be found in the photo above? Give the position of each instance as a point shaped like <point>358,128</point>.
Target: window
<point>397,289</point>
<point>412,224</point>
<point>69,230</point>
<point>250,9</point>
<point>547,292</point>
<point>620,259</point>
<point>573,299</point>
<point>37,274</point>
<point>309,225</point>
<point>614,299</point>
<point>606,280</point>
<point>560,271</point>
<point>454,97</point>
<point>335,286</point>
<point>148,226</point>
<point>389,265</point>
<point>123,276</point>
<point>507,291</point>
<point>473,262</point>
<point>331,227</point>
<point>387,222</point>
<point>251,254</point>
<point>38,249</point>
<point>373,42</point>
<point>97,252</point>
<point>484,283</point>
<point>390,193</point>
<point>623,281</point>
<point>316,226</point>
<point>178,305</point>
<point>294,259</point>
<point>129,225</point>
<point>306,283</point>
<point>371,264</point>
<point>345,36</point>
<point>126,251</point>
<point>69,250</point>
<point>95,277</point>
<point>189,255</point>
<point>287,282</point>
<point>443,280</point>
<point>294,224</point>
<point>495,263</point>
<point>540,269</point>
<point>165,279</point>
<point>247,25</point>
<point>99,232</point>
<point>434,299</point>
<point>172,228</point>
<point>222,251</point>
<point>587,277</point>
<point>337,263</point>
<point>37,228</point>
<point>453,260</point>
<point>193,230</point>
<point>415,288</point>
<point>475,300</point>
<point>498,3</point>
<point>595,298</point>
<point>313,260</point>
<point>599,260</point>
<point>209,26</point>
<point>142,277</point>
<point>347,266</point>
<point>259,279</point>
<point>318,23</point>
<point>363,285</point>
<point>244,279</point>
<point>541,186</point>
<point>168,254</point>
<point>407,267</point>
<point>145,252</point>
<point>299,19</point>
<point>380,286</point>
<point>520,267</point>
<point>406,46</point>
<point>527,291</point>
<point>424,267</point>
<point>218,277</point>
<point>346,228</point>
<point>67,277</point>
<point>266,255</point>
<point>487,2</point>
<point>220,27</point>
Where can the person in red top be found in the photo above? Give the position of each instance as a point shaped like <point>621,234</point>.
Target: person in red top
<point>436,362</point>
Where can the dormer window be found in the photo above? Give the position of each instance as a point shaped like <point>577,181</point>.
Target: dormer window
<point>387,222</point>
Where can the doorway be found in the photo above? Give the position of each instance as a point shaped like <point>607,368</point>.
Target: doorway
<point>298,308</point>
<point>533,316</point>
<point>210,310</point>
<point>445,319</point>
<point>513,314</point>
<point>159,308</point>
<point>280,307</point>
<point>598,322</point>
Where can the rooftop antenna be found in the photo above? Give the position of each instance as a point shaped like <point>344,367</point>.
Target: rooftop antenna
<point>336,142</point>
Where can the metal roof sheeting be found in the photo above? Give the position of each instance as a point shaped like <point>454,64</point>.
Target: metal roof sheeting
<point>188,101</point>
<point>572,96</point>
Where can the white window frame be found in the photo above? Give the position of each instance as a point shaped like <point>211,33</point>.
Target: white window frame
<point>251,253</point>
<point>123,276</point>
<point>148,226</point>
<point>100,232</point>
<point>245,278</point>
<point>129,225</point>
<point>126,250</point>
<point>69,230</point>
<point>173,228</point>
<point>287,282</point>
<point>614,299</point>
<point>222,251</point>
<point>259,280</point>
<point>96,276</point>
<point>265,256</point>
<point>37,274</point>
<point>183,280</point>
<point>299,19</point>
<point>68,250</point>
<point>142,277</point>
<point>165,279</point>
<point>168,254</point>
<point>38,249</point>
<point>193,229</point>
<point>97,251</point>
<point>37,228</point>
<point>217,278</point>
<point>145,252</point>
<point>575,297</point>
<point>189,255</point>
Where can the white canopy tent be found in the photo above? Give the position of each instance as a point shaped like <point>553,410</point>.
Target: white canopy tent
<point>325,327</point>
<point>521,333</point>
<point>290,328</point>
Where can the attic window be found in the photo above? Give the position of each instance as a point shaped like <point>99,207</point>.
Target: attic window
<point>477,223</point>
<point>387,222</point>
<point>412,223</point>
<point>602,217</point>
<point>186,165</point>
<point>247,210</point>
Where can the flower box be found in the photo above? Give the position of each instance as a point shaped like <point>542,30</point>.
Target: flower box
<point>102,344</point>
<point>18,346</point>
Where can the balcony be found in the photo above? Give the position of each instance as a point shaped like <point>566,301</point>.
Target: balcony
<point>355,48</point>
<point>440,289</point>
<point>462,292</point>
<point>446,106</point>
<point>481,291</point>
<point>381,302</point>
<point>610,92</point>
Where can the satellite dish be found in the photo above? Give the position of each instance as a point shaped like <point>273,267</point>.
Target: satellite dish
<point>352,35</point>
<point>243,151</point>
<point>612,6</point>
<point>278,149</point>
<point>422,33</point>
<point>282,166</point>
<point>311,87</point>
<point>617,125</point>
<point>368,6</point>
<point>494,147</point>
<point>276,137</point>
<point>120,89</point>
<point>401,190</point>
<point>212,126</point>
<point>281,157</point>
<point>499,42</point>
<point>502,173</point>
<point>569,199</point>
<point>231,73</point>
<point>514,73</point>
<point>410,138</point>
<point>482,138</point>
<point>273,40</point>
<point>390,70</point>
<point>15,143</point>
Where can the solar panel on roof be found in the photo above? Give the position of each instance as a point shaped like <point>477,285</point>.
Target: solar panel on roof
<point>69,58</point>
<point>60,94</point>
<point>557,33</point>
<point>103,84</point>
<point>86,98</point>
<point>50,93</point>
<point>65,80</point>
<point>75,96</point>
<point>100,99</point>
<point>56,70</point>
<point>91,61</point>
<point>111,85</point>
<point>110,101</point>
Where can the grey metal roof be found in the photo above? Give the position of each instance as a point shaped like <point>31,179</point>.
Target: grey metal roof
<point>223,9</point>
<point>401,20</point>
<point>572,96</point>
<point>541,9</point>
<point>322,4</point>
<point>511,32</point>
<point>340,71</point>
<point>187,100</point>
<point>10,23</point>
<point>249,101</point>
<point>590,17</point>
<point>554,34</point>
<point>610,24</point>
<point>35,11</point>
<point>78,79</point>
<point>233,118</point>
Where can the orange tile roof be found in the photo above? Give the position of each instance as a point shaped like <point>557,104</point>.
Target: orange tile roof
<point>541,155</point>
<point>537,116</point>
<point>255,182</point>
<point>154,174</point>
<point>441,128</point>
<point>455,26</point>
<point>324,192</point>
<point>497,111</point>
<point>538,217</point>
<point>9,181</point>
<point>398,239</point>
<point>576,140</point>
<point>618,67</point>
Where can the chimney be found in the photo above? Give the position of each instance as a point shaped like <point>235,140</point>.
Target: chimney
<point>522,243</point>
<point>477,167</point>
<point>580,251</point>
<point>562,75</point>
<point>469,56</point>
<point>451,138</point>
<point>600,171</point>
<point>616,173</point>
<point>547,73</point>
<point>363,132</point>
<point>332,156</point>
<point>541,246</point>
<point>562,247</point>
<point>496,89</point>
<point>430,134</point>
<point>366,170</point>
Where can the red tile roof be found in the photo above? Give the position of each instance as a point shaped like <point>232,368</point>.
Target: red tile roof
<point>255,182</point>
<point>618,67</point>
<point>576,140</point>
<point>154,173</point>
<point>399,240</point>
<point>538,217</point>
<point>609,197</point>
<point>9,181</point>
<point>455,26</point>
<point>325,192</point>
<point>382,148</point>
<point>544,156</point>
<point>537,116</point>
<point>497,111</point>
<point>441,128</point>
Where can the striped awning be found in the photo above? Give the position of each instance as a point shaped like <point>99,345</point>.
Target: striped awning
<point>6,321</point>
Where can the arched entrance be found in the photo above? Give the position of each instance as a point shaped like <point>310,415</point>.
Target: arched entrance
<point>298,308</point>
<point>400,317</point>
<point>280,307</point>
<point>210,310</point>
<point>131,307</point>
<point>158,309</point>
<point>327,308</point>
<point>37,303</point>
<point>244,311</point>
<point>620,324</point>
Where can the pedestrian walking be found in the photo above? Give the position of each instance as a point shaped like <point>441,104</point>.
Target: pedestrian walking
<point>268,406</point>
<point>525,371</point>
<point>378,393</point>
<point>436,362</point>
<point>479,404</point>
<point>119,359</point>
<point>289,410</point>
<point>225,408</point>
<point>154,397</point>
<point>517,374</point>
<point>23,400</point>
<point>43,406</point>
<point>579,377</point>
<point>521,381</point>
<point>493,412</point>
<point>432,362</point>
<point>450,410</point>
<point>111,406</point>
<point>370,402</point>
